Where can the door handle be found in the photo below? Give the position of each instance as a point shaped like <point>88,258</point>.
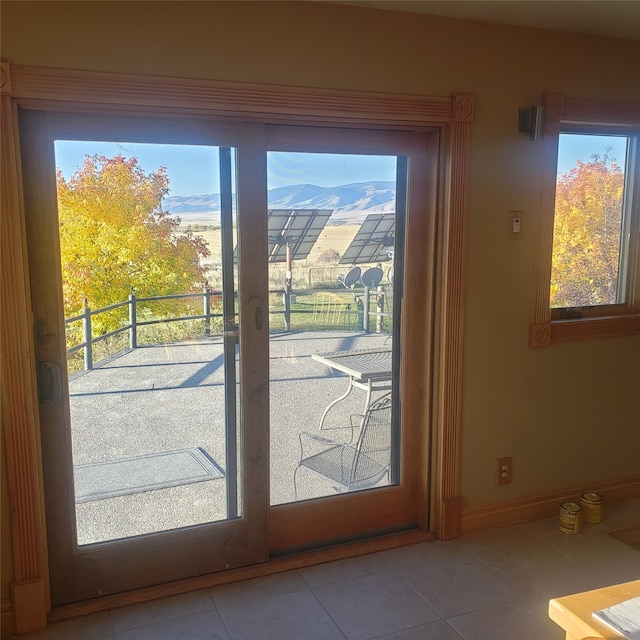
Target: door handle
<point>49,383</point>
<point>259,318</point>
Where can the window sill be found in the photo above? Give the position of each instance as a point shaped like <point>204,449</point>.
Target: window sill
<point>542,335</point>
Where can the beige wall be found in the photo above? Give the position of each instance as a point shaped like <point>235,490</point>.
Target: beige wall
<point>567,414</point>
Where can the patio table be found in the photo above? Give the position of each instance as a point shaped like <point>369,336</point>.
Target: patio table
<point>367,369</point>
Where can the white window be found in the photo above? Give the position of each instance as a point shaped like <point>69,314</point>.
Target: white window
<point>588,272</point>
<point>593,217</point>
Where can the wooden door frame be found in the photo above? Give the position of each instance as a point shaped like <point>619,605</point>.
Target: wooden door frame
<point>69,90</point>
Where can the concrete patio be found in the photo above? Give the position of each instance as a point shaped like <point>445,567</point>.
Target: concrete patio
<point>169,397</point>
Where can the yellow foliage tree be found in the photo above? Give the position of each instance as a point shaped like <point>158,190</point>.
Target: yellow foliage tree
<point>115,237</point>
<point>586,235</point>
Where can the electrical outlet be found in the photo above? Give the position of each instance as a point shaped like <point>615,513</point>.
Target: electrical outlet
<point>504,470</point>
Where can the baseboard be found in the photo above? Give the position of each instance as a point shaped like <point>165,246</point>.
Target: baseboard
<point>503,514</point>
<point>7,627</point>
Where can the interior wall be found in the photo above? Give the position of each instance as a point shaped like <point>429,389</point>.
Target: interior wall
<point>568,413</point>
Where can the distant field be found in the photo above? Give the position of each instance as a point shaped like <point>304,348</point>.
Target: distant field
<point>320,269</point>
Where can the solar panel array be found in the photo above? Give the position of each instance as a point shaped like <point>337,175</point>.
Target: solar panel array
<point>376,234</point>
<point>298,228</point>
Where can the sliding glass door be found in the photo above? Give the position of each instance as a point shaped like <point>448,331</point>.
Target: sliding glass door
<point>337,210</point>
<point>133,228</point>
<point>228,366</point>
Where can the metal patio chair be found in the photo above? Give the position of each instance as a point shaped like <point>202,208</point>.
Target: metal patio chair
<point>352,466</point>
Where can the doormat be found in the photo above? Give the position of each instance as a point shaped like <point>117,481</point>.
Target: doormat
<point>101,480</point>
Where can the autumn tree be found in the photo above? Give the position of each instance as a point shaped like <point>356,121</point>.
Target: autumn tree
<point>114,237</point>
<point>586,236</point>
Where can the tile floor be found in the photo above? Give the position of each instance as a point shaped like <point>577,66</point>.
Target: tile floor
<point>488,585</point>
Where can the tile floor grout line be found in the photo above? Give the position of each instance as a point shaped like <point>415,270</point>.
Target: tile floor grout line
<point>423,598</point>
<point>337,626</point>
<point>156,621</point>
<point>224,624</point>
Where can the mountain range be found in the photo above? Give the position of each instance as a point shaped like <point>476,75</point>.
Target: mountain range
<point>350,202</point>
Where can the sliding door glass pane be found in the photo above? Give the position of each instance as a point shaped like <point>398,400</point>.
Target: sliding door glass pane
<point>332,256</point>
<point>147,273</point>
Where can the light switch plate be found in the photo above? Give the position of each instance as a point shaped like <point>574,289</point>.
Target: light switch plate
<point>514,225</point>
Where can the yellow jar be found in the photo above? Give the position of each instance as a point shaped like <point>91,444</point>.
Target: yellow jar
<point>591,507</point>
<point>570,518</point>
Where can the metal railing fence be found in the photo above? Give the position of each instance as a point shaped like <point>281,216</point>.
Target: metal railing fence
<point>361,314</point>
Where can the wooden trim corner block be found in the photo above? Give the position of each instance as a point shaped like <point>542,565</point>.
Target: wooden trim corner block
<point>5,78</point>
<point>554,102</point>
<point>540,335</point>
<point>7,628</point>
<point>451,521</point>
<point>29,608</point>
<point>463,107</point>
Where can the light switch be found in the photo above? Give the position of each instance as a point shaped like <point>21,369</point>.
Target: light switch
<point>514,222</point>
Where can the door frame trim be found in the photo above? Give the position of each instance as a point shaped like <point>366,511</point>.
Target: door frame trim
<point>75,90</point>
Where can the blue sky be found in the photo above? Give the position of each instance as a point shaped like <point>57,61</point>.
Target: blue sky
<point>193,170</point>
<point>574,147</point>
<point>327,170</point>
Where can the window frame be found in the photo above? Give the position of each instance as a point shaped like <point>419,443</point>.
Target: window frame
<point>549,326</point>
